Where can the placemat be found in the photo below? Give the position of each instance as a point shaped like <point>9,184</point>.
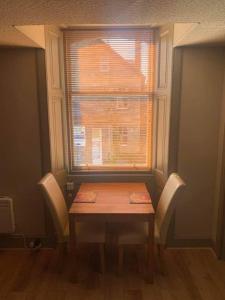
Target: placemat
<point>85,197</point>
<point>140,198</point>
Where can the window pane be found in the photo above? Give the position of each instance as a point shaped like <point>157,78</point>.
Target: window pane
<point>105,135</point>
<point>110,61</point>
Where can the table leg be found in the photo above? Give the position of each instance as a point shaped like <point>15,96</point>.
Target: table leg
<point>151,258</point>
<point>72,248</point>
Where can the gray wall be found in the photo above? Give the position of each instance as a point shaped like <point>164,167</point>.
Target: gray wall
<point>201,95</point>
<point>20,152</point>
<point>218,217</point>
<point>20,131</point>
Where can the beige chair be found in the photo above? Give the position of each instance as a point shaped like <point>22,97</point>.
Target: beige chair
<point>137,233</point>
<point>85,232</point>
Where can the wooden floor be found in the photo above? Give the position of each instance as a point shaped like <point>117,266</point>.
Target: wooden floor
<point>190,274</point>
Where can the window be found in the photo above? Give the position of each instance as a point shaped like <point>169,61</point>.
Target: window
<point>121,103</point>
<point>104,64</point>
<point>109,87</point>
<point>123,136</point>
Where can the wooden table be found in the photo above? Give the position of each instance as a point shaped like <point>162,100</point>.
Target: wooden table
<point>112,204</point>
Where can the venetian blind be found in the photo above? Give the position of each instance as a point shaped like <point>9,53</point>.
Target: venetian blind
<point>109,87</point>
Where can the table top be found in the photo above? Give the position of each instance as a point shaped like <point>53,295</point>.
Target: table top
<point>112,199</point>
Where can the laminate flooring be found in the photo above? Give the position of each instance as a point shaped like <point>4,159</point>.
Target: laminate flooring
<point>188,274</point>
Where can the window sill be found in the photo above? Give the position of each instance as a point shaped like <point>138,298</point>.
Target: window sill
<point>103,176</point>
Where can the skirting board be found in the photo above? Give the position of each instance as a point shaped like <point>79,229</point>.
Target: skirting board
<point>191,243</point>
<point>20,241</point>
<point>23,242</point>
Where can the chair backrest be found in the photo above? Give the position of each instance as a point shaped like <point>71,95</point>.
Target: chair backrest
<point>56,203</point>
<point>166,205</point>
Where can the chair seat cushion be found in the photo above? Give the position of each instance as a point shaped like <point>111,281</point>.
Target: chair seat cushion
<point>133,233</point>
<point>88,232</point>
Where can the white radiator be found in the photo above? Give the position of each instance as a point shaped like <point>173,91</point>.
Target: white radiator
<point>7,219</point>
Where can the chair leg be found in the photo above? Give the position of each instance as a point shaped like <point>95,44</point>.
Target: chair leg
<point>73,277</point>
<point>139,259</point>
<point>160,250</point>
<point>102,257</point>
<point>120,259</point>
<point>61,249</point>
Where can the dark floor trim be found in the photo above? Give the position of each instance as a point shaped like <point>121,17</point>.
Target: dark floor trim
<point>21,241</point>
<point>191,243</point>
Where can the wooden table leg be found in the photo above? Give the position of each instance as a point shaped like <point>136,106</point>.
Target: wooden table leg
<point>151,258</point>
<point>72,248</point>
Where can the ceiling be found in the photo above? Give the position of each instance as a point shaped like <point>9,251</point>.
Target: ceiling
<point>210,14</point>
